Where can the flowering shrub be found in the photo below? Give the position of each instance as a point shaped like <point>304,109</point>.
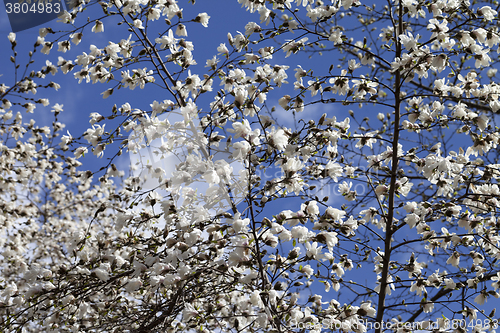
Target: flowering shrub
<point>112,251</point>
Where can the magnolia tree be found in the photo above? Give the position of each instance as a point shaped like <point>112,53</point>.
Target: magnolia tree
<point>380,214</point>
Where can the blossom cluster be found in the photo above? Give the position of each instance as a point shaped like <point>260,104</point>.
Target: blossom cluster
<point>147,250</point>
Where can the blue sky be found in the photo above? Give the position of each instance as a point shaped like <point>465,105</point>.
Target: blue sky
<point>80,100</point>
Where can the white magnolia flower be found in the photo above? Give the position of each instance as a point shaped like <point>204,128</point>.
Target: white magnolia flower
<point>428,307</point>
<point>334,170</point>
<point>450,284</point>
<point>307,270</point>
<point>153,14</point>
<point>488,13</point>
<point>313,251</point>
<point>76,38</point>
<point>12,37</point>
<point>211,177</point>
<point>368,309</point>
<point>241,149</point>
<point>481,298</point>
<point>336,37</point>
<point>242,129</point>
<point>312,208</point>
<point>330,239</point>
<point>47,46</point>
<point>138,24</point>
<point>102,272</point>
<point>280,139</point>
<point>337,269</point>
<point>203,19</point>
<point>300,233</point>
<point>409,42</point>
<point>222,49</point>
<point>256,299</point>
<point>491,72</point>
<point>98,27</point>
<point>240,225</point>
<point>57,108</point>
<point>336,214</point>
<point>188,312</point>
<point>251,27</point>
<point>381,190</point>
<point>181,30</point>
<point>418,287</point>
<point>283,101</point>
<point>496,279</point>
<point>454,259</point>
<point>412,220</point>
<point>9,290</point>
<point>133,285</point>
